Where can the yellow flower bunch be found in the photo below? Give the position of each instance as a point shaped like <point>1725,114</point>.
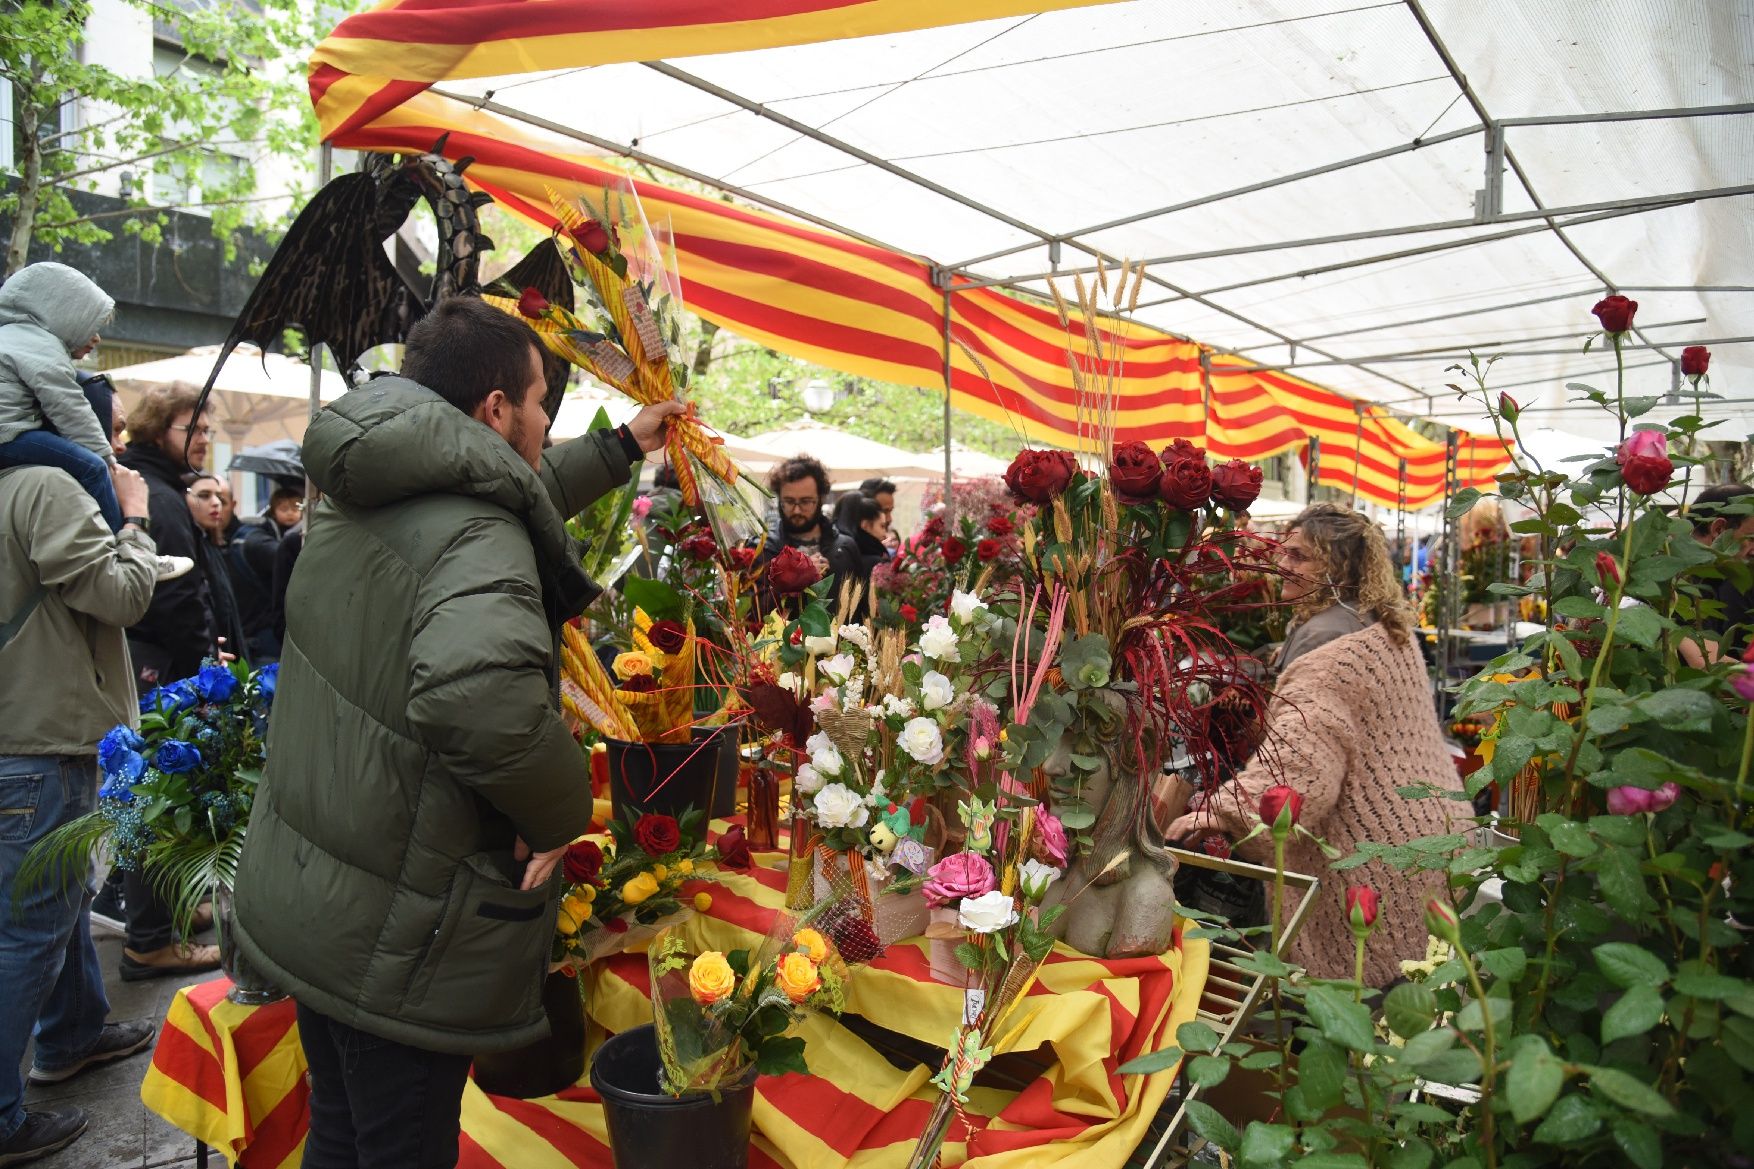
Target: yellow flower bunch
<point>639,888</point>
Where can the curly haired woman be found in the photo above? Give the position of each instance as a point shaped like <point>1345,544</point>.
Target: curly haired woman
<point>1351,721</point>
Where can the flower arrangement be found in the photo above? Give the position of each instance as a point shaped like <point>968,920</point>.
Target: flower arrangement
<point>978,550</point>
<point>177,790</point>
<point>722,1017</point>
<point>620,893</point>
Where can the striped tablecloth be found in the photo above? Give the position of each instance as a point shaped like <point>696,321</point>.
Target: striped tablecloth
<point>233,1076</point>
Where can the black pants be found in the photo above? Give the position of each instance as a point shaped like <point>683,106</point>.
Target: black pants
<point>377,1104</point>
<point>148,917</point>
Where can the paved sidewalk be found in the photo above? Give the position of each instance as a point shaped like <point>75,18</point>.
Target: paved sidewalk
<point>122,1132</point>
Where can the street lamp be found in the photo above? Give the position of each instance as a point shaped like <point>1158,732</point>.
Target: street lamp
<point>818,395</point>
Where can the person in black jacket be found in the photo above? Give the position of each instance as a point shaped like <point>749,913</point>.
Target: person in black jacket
<point>249,558</point>
<point>800,487</point>
<point>165,442</point>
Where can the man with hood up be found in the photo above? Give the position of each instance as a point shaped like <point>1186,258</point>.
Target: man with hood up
<point>50,315</point>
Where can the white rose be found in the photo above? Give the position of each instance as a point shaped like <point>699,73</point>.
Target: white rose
<point>838,806</point>
<point>807,780</point>
<point>790,681</point>
<point>858,635</point>
<point>966,606</point>
<point>838,668</point>
<point>1036,877</point>
<point>936,691</point>
<point>896,706</point>
<point>939,640</point>
<point>827,761</point>
<point>819,645</point>
<point>817,742</point>
<point>921,739</point>
<point>987,913</point>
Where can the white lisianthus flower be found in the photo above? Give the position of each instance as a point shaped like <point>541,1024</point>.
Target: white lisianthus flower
<point>827,761</point>
<point>1035,878</point>
<point>819,645</point>
<point>839,806</point>
<point>790,681</point>
<point>965,607</point>
<point>897,706</point>
<point>987,913</point>
<point>838,668</point>
<point>938,641</point>
<point>936,692</point>
<point>921,739</point>
<point>858,635</point>
<point>807,780</point>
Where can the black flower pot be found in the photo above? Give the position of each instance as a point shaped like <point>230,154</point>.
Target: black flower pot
<point>650,1129</point>
<point>546,1066</point>
<point>670,778</point>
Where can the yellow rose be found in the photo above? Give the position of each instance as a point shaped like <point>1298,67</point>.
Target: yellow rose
<point>632,664</point>
<point>685,865</point>
<point>586,893</point>
<point>812,943</point>
<point>579,907</point>
<point>710,978</point>
<point>703,901</point>
<point>660,872</point>
<point>796,975</point>
<point>639,889</point>
<point>568,923</point>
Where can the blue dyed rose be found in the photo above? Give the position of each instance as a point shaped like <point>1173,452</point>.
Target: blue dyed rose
<point>120,742</point>
<point>214,683</point>
<point>172,699</point>
<point>176,756</point>
<point>267,678</point>
<point>118,790</point>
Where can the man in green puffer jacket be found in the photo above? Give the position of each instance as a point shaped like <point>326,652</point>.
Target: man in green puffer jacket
<point>420,785</point>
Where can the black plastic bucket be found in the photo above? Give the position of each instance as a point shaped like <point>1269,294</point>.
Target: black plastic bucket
<point>649,1129</point>
<point>673,777</point>
<point>546,1066</point>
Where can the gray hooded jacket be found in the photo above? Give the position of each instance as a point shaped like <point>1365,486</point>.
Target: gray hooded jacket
<point>46,312</point>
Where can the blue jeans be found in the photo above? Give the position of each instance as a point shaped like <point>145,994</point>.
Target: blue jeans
<point>48,966</point>
<point>39,448</point>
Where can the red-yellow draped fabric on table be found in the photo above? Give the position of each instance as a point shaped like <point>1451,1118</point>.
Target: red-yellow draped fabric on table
<point>811,292</point>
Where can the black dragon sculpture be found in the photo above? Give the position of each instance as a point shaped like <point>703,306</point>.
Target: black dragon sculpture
<point>332,278</point>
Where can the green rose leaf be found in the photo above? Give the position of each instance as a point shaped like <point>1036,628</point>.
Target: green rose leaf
<point>1341,1020</point>
<point>1533,1082</point>
<point>1637,1011</point>
<point>1629,1092</point>
<point>1321,1070</point>
<point>1196,1036</point>
<point>1265,1146</point>
<point>1154,1061</point>
<point>776,1057</point>
<point>1572,1119</point>
<point>1427,1045</point>
<point>1627,965</point>
<point>1208,1070</point>
<point>1639,1141</point>
<point>1210,1123</point>
<point>1409,1009</point>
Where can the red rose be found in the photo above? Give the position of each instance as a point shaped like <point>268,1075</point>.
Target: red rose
<point>616,925</point>
<point>791,571</point>
<point>734,849</point>
<point>1181,449</point>
<point>1361,908</point>
<point>934,528</point>
<point>702,547</point>
<point>1185,483</point>
<point>1001,525</point>
<point>909,614</point>
<point>591,236</point>
<point>742,558</point>
<point>657,834</point>
<point>1235,485</point>
<point>667,636</point>
<point>532,303</point>
<point>639,684</point>
<point>953,550</point>
<point>1644,462</point>
<point>1134,471</point>
<point>1694,360</point>
<point>1607,570</point>
<point>1040,476</point>
<point>987,548</point>
<point>1280,798</point>
<point>582,862</point>
<point>1615,313</point>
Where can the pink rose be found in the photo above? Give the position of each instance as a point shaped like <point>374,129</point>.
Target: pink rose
<point>1644,462</point>
<point>1050,839</point>
<point>959,875</point>
<point>1631,801</point>
<point>642,507</point>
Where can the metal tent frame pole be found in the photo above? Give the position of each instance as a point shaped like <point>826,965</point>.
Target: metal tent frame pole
<point>949,479</point>
<point>325,169</point>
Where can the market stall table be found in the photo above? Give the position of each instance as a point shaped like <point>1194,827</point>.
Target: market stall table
<point>233,1076</point>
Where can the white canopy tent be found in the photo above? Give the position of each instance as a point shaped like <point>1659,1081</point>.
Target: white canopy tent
<point>1360,192</point>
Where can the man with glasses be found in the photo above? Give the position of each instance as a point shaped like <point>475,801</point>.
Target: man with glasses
<point>800,488</point>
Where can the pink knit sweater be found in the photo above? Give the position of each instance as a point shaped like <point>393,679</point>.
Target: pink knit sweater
<point>1350,722</point>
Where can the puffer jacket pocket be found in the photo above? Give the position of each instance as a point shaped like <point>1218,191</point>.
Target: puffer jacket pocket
<point>484,969</point>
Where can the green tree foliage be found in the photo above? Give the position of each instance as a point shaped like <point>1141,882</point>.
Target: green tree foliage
<point>226,94</point>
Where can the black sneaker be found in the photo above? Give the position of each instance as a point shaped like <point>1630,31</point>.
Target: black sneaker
<point>42,1133</point>
<point>107,911</point>
<point>118,1041</point>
